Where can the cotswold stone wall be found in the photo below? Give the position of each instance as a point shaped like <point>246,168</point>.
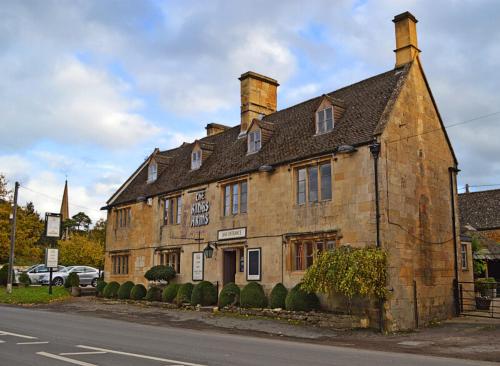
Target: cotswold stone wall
<point>416,210</point>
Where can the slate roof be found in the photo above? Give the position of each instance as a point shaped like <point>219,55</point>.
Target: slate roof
<point>481,210</point>
<point>293,139</point>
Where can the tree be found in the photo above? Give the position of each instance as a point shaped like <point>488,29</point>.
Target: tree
<point>82,221</point>
<point>98,232</point>
<point>79,249</point>
<point>4,191</point>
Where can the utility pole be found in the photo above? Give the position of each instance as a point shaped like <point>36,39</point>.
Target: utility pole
<point>12,241</point>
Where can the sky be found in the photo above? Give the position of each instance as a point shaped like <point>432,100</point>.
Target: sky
<point>89,88</point>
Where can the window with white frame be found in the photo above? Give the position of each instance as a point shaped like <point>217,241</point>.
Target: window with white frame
<point>152,171</point>
<point>196,159</point>
<point>324,120</point>
<point>465,264</point>
<point>254,141</point>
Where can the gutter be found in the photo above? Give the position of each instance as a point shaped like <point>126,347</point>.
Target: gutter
<point>453,171</point>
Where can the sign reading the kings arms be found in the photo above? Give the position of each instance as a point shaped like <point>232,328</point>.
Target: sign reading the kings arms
<point>200,210</point>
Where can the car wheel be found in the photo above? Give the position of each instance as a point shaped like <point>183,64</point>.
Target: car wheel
<point>83,285</point>
<point>58,281</point>
<point>94,282</point>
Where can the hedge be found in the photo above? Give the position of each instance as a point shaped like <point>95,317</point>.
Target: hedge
<point>153,294</point>
<point>300,300</point>
<point>230,295</point>
<point>138,292</point>
<point>204,294</point>
<point>101,284</point>
<point>184,293</point>
<point>170,292</point>
<point>253,296</point>
<point>72,280</point>
<point>124,290</point>
<point>278,296</point>
<point>111,290</point>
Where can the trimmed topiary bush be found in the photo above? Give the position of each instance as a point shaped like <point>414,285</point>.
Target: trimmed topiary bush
<point>4,274</point>
<point>138,292</point>
<point>253,296</point>
<point>101,284</point>
<point>170,292</point>
<point>160,273</point>
<point>278,296</point>
<point>72,280</point>
<point>230,295</point>
<point>184,293</point>
<point>153,294</point>
<point>24,279</point>
<point>204,294</point>
<point>124,290</point>
<point>300,300</point>
<point>111,290</point>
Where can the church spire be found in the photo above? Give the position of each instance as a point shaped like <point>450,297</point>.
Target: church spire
<point>65,203</point>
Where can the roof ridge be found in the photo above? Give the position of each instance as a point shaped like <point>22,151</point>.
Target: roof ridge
<point>484,191</point>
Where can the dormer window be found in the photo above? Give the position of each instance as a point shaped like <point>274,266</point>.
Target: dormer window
<point>196,160</point>
<point>324,120</point>
<point>254,141</point>
<point>152,171</point>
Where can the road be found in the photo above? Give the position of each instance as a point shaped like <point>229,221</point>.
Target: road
<point>35,337</point>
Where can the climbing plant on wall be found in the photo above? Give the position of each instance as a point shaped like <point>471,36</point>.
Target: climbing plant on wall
<point>349,271</point>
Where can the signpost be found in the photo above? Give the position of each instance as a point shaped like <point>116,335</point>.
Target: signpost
<point>52,230</point>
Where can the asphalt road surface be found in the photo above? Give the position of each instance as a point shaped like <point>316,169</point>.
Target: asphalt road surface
<point>34,337</point>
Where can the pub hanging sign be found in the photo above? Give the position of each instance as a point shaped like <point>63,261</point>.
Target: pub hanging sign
<point>200,210</point>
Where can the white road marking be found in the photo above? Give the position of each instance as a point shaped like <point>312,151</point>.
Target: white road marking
<point>32,343</point>
<point>82,353</point>
<point>17,335</point>
<point>65,359</point>
<point>176,362</point>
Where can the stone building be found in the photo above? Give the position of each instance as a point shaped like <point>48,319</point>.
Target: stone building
<point>356,166</point>
<point>480,218</point>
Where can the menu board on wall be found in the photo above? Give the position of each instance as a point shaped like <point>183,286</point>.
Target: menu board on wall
<point>197,266</point>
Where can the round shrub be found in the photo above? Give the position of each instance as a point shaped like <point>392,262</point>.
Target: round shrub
<point>138,292</point>
<point>153,294</point>
<point>72,280</point>
<point>278,296</point>
<point>184,293</point>
<point>230,295</point>
<point>204,294</point>
<point>4,274</point>
<point>101,284</point>
<point>170,292</point>
<point>111,290</point>
<point>253,296</point>
<point>160,273</point>
<point>300,300</point>
<point>124,290</point>
<point>24,279</point>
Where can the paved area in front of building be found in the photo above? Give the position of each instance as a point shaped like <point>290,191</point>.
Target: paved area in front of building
<point>472,338</point>
<point>36,337</point>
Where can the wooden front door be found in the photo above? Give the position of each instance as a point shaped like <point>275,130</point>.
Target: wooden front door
<point>229,266</point>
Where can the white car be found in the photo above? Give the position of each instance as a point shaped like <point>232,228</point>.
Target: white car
<point>37,271</point>
<point>88,276</point>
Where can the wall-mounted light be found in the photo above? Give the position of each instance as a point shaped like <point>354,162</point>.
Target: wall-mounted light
<point>209,250</point>
<point>346,149</point>
<point>266,168</point>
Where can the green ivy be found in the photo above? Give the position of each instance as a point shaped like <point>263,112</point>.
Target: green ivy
<point>349,271</point>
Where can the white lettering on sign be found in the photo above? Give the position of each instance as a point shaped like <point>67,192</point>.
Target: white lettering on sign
<point>199,210</point>
<point>232,233</point>
<point>51,257</point>
<point>198,266</point>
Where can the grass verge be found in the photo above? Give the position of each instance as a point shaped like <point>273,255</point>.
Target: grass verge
<point>32,295</point>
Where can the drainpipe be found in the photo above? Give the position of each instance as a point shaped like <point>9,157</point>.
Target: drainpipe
<point>375,150</point>
<point>453,171</point>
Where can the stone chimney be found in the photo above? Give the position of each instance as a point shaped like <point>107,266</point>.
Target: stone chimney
<point>258,98</point>
<point>215,128</point>
<point>406,38</point>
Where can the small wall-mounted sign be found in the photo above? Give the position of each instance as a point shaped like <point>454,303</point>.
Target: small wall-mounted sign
<point>51,258</point>
<point>197,266</point>
<point>237,233</point>
<point>200,210</point>
<point>53,225</point>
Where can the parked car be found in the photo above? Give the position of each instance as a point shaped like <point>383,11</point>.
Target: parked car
<point>37,271</point>
<point>87,275</point>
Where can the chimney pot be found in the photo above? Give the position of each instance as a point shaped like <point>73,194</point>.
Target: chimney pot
<point>258,98</point>
<point>406,38</point>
